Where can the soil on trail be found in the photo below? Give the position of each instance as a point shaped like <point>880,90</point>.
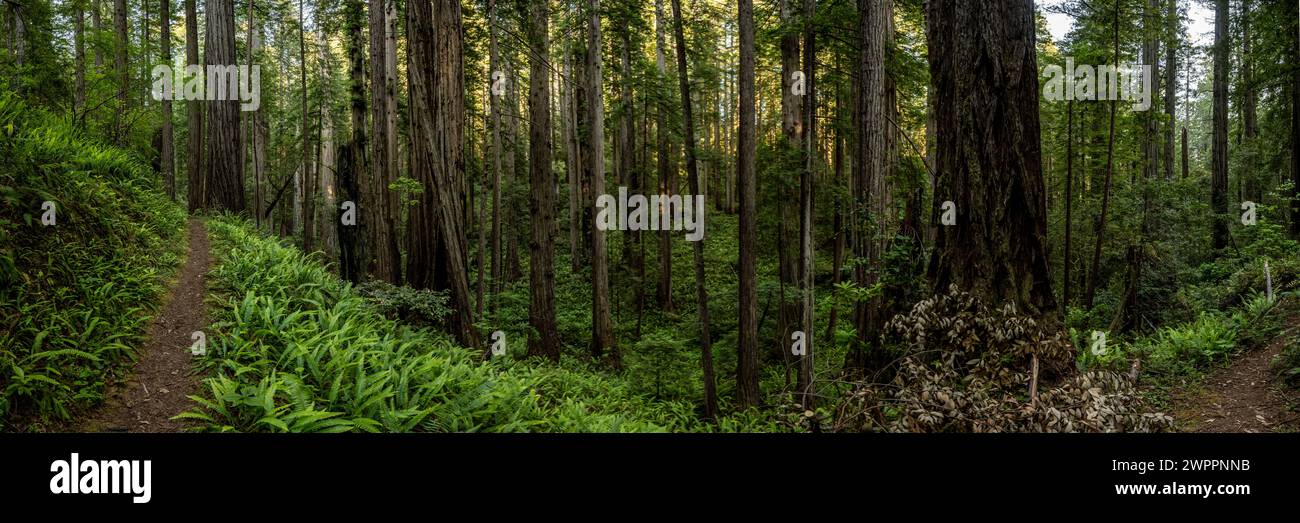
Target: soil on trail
<point>156,389</point>
<point>1244,396</point>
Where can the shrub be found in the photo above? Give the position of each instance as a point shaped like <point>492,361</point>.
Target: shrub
<point>968,369</point>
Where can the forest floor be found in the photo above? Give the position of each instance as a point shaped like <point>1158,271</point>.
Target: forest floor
<point>157,388</point>
<point>1243,396</point>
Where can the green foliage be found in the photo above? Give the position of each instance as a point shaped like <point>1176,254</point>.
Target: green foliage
<point>74,296</point>
<point>295,349</point>
<point>420,307</point>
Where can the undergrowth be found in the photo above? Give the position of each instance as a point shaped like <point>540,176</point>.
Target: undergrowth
<point>75,295</point>
<point>295,349</point>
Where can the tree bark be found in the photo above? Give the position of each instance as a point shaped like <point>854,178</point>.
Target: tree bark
<point>435,65</point>
<point>196,189</point>
<point>692,174</point>
<point>309,188</point>
<point>79,59</point>
<point>603,344</point>
<point>543,339</point>
<point>805,386</point>
<point>1219,146</point>
<point>747,393</point>
<point>987,156</point>
<point>383,257</point>
<point>121,45</point>
<point>225,175</point>
<point>352,159</point>
<point>666,166</point>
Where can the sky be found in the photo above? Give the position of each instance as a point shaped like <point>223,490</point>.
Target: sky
<point>1199,21</point>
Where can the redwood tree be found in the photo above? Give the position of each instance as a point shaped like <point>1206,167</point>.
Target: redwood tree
<point>987,155</point>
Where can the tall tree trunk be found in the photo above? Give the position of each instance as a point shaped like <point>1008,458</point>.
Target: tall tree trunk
<point>543,339</point>
<point>121,45</point>
<point>806,387</point>
<point>603,344</point>
<point>1126,317</point>
<point>383,257</point>
<point>96,24</point>
<point>702,293</point>
<point>435,63</point>
<point>1094,275</point>
<point>79,73</point>
<point>876,110</point>
<point>168,156</point>
<point>787,208</point>
<point>1219,146</point>
<point>1294,87</point>
<point>1069,205</point>
<point>666,166</point>
<point>747,393</point>
<point>309,189</point>
<point>628,175</point>
<point>988,158</point>
<point>256,128</point>
<point>1171,82</point>
<point>353,158</point>
<point>494,65</point>
<point>225,175</point>
<point>193,115</point>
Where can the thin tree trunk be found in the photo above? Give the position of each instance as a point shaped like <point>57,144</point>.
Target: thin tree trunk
<point>747,393</point>
<point>667,169</point>
<point>603,344</point>
<point>1219,147</point>
<point>121,44</point>
<point>309,189</point>
<point>1100,233</point>
<point>688,123</point>
<point>806,387</point>
<point>1171,82</point>
<point>193,114</point>
<point>1068,259</point>
<point>79,73</point>
<point>494,60</point>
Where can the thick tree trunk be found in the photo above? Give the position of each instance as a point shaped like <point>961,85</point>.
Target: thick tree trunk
<point>747,393</point>
<point>225,175</point>
<point>1219,145</point>
<point>987,156</point>
<point>876,110</point>
<point>353,158</point>
<point>309,188</point>
<point>543,339</point>
<point>380,211</point>
<point>437,121</point>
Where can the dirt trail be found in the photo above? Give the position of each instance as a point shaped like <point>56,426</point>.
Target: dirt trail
<point>157,388</point>
<point>1242,397</point>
